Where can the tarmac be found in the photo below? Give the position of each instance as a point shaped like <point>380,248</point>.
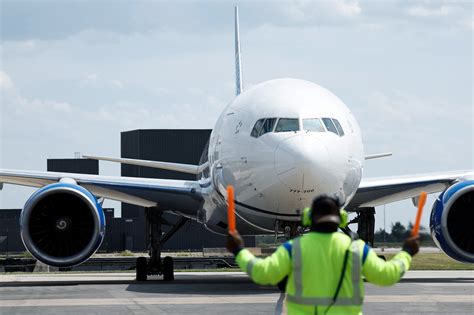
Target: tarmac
<point>419,292</point>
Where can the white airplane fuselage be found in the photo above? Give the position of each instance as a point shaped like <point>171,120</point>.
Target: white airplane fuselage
<point>279,168</point>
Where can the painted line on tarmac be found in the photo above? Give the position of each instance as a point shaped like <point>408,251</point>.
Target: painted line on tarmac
<point>219,299</point>
<point>432,298</point>
<point>241,299</point>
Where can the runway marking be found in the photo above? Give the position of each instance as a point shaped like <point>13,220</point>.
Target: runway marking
<point>219,299</point>
<point>431,298</point>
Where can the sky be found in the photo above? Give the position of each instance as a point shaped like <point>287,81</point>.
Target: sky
<point>74,75</point>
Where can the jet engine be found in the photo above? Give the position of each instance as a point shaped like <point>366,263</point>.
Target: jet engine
<point>452,220</point>
<point>62,224</point>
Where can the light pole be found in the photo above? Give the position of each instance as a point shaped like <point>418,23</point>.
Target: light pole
<point>384,230</point>
<point>7,242</point>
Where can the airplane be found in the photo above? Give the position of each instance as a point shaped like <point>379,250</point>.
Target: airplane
<point>280,143</point>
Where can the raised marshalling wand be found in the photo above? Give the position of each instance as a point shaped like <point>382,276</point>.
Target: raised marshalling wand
<point>421,204</point>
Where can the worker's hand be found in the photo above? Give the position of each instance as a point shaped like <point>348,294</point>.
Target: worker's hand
<point>234,242</point>
<point>412,245</point>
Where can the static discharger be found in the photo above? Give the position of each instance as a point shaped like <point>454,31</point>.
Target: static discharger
<point>421,204</point>
<point>231,208</point>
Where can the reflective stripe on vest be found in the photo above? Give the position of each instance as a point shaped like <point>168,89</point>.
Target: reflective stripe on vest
<point>298,298</point>
<point>249,267</point>
<point>297,268</point>
<point>356,269</point>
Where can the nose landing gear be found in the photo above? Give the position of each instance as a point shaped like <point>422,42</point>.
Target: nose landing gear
<point>291,229</point>
<point>366,224</point>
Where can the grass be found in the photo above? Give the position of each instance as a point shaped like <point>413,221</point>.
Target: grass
<point>183,254</point>
<point>26,255</point>
<point>126,253</point>
<point>422,261</point>
<point>434,261</point>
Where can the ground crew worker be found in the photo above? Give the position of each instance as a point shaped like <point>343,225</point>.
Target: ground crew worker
<point>324,267</point>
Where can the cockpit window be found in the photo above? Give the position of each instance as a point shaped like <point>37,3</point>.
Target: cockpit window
<point>338,127</point>
<point>330,125</point>
<point>268,125</point>
<point>287,124</point>
<point>313,124</point>
<point>256,129</point>
<point>263,126</point>
<point>333,126</point>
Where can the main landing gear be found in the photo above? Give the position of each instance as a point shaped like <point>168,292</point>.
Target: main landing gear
<point>366,224</point>
<point>155,265</point>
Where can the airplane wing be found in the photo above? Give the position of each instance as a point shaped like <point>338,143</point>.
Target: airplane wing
<point>173,195</point>
<point>377,191</point>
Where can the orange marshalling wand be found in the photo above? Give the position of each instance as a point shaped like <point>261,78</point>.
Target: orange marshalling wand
<point>421,204</point>
<point>231,208</point>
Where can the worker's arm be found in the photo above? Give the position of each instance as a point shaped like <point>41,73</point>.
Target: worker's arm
<point>384,273</point>
<point>269,270</point>
<point>381,272</point>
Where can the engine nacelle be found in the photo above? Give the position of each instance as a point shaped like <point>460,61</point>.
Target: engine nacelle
<point>452,221</point>
<point>62,225</point>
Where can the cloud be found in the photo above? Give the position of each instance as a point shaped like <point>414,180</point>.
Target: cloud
<point>5,81</point>
<point>117,83</point>
<point>395,121</point>
<point>90,80</point>
<point>95,81</point>
<point>422,11</point>
<point>77,126</point>
<point>468,23</point>
<point>314,13</point>
<point>440,14</point>
<point>348,8</point>
<point>92,77</point>
<point>46,20</point>
<point>49,115</point>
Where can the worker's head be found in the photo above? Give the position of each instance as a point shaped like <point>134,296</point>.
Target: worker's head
<point>325,210</point>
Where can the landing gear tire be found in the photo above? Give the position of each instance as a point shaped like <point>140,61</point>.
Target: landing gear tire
<point>168,269</point>
<point>141,269</point>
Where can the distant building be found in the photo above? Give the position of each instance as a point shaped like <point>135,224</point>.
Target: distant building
<point>80,166</point>
<point>10,240</point>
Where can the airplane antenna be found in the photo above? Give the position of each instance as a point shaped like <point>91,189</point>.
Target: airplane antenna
<point>238,67</point>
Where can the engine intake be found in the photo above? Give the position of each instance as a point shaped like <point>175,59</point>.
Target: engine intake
<point>62,224</point>
<point>452,220</point>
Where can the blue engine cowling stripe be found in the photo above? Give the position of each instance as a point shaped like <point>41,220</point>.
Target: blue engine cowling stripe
<point>437,215</point>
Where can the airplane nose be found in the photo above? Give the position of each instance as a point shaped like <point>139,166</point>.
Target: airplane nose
<point>301,162</point>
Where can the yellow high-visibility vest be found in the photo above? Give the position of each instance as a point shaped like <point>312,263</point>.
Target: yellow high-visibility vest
<point>314,263</point>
